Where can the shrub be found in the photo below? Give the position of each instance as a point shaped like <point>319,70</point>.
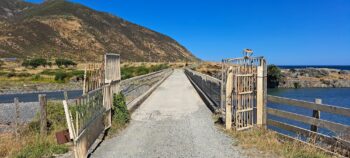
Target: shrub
<point>34,63</point>
<point>65,62</point>
<point>36,77</point>
<point>296,85</point>
<point>119,110</point>
<point>61,76</point>
<point>274,76</point>
<point>11,74</point>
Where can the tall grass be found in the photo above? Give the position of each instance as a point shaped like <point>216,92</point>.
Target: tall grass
<point>31,144</point>
<point>269,143</point>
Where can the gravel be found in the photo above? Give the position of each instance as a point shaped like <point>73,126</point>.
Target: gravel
<point>172,122</point>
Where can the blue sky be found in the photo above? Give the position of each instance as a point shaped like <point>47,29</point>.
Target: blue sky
<point>286,32</point>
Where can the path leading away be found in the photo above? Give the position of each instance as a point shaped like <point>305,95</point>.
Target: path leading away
<point>172,122</point>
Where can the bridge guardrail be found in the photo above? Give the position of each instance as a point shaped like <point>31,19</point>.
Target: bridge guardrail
<point>210,86</point>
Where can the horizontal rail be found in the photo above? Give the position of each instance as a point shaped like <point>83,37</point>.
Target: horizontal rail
<point>335,142</point>
<point>309,105</point>
<point>336,127</point>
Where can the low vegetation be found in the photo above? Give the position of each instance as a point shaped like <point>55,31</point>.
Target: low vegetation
<point>270,144</point>
<point>34,63</point>
<point>132,71</point>
<point>274,76</point>
<point>120,114</point>
<point>31,144</point>
<point>65,62</point>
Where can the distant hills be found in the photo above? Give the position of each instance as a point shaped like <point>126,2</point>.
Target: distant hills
<point>59,28</point>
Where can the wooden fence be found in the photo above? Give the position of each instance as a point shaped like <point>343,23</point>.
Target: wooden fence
<point>332,143</point>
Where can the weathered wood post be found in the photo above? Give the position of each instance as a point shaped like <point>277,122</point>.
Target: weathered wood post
<point>316,114</point>
<point>229,88</point>
<point>43,114</point>
<point>17,117</point>
<point>261,95</point>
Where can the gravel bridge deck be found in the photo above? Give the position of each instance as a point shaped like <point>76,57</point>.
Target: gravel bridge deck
<point>172,122</point>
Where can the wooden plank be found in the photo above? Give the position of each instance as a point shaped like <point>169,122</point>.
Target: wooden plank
<point>309,105</point>
<point>247,92</point>
<point>336,127</point>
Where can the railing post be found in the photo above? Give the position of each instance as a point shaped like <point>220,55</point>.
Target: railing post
<point>261,103</point>
<point>316,114</point>
<point>229,88</point>
<point>43,114</point>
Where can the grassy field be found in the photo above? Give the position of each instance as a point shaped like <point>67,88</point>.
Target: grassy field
<point>16,78</point>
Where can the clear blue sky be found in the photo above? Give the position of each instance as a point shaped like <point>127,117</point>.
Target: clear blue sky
<point>286,32</point>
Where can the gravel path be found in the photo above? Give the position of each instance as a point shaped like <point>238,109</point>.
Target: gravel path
<point>172,122</point>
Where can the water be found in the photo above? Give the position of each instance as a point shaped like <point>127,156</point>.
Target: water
<point>33,97</point>
<point>339,67</point>
<point>331,96</point>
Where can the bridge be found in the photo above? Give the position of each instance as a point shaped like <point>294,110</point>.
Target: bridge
<point>172,122</point>
<point>172,112</point>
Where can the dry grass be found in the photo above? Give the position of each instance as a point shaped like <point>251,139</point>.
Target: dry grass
<point>268,144</point>
<point>30,143</point>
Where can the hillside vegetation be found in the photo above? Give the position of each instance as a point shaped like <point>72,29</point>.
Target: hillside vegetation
<point>64,29</point>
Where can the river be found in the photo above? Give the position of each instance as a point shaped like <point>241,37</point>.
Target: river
<point>33,97</point>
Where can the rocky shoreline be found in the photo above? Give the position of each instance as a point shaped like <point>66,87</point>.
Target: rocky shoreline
<point>315,78</point>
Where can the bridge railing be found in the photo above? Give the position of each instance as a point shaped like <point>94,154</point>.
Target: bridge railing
<point>208,85</point>
<point>336,143</point>
<point>133,88</point>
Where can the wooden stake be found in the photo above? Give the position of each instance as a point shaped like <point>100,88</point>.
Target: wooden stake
<point>43,114</point>
<point>17,117</point>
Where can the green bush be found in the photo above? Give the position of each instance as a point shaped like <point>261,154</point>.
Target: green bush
<point>36,77</point>
<point>64,62</point>
<point>274,76</point>
<point>61,76</point>
<point>120,112</point>
<point>34,63</point>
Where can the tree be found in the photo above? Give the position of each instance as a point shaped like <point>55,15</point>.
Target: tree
<point>274,76</point>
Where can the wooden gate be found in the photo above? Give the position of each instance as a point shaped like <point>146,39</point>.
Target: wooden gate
<point>90,115</point>
<point>243,91</point>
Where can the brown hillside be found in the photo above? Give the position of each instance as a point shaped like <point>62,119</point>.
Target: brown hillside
<point>63,29</point>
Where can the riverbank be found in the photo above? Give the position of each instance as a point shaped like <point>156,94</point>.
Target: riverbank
<point>314,78</point>
<point>303,77</point>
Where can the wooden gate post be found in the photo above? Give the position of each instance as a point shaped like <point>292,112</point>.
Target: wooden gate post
<point>229,88</point>
<point>260,96</point>
<point>316,114</point>
<point>43,114</point>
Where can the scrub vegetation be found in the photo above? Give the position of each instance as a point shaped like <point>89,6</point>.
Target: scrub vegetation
<point>30,144</point>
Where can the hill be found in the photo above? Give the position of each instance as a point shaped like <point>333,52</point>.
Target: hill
<point>64,29</point>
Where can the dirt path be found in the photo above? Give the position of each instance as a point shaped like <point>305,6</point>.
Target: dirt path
<point>172,122</point>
